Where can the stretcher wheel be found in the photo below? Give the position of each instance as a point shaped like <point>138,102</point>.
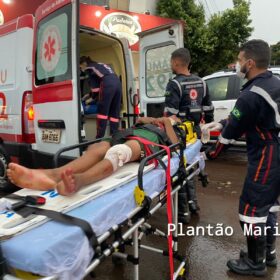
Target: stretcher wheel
<point>5,184</point>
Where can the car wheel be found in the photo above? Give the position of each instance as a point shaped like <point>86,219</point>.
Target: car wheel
<point>5,184</point>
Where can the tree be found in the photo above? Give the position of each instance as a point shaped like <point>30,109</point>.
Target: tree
<point>213,45</point>
<point>275,54</point>
<point>227,31</point>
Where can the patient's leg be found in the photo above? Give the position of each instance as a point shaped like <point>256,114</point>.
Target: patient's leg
<point>73,182</point>
<point>29,178</point>
<point>45,179</point>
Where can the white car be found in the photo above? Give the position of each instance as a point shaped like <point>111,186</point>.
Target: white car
<point>224,89</point>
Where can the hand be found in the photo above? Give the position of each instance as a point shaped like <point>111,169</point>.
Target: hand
<point>211,126</point>
<point>159,121</point>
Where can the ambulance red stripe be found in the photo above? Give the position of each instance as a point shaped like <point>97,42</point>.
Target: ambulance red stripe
<point>13,25</point>
<point>62,91</point>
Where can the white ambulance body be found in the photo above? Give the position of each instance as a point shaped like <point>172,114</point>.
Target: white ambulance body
<point>16,125</point>
<point>64,31</point>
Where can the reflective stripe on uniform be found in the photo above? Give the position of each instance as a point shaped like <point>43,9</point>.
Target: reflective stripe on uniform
<point>269,100</point>
<point>171,110</point>
<point>179,86</point>
<point>192,83</point>
<point>260,164</point>
<point>275,208</point>
<point>103,117</point>
<point>207,108</point>
<point>252,220</point>
<point>113,119</point>
<point>204,87</point>
<point>195,110</point>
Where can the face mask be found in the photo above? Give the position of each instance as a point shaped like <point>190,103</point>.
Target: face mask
<point>241,74</point>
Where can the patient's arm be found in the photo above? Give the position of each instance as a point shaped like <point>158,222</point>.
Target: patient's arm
<point>170,131</point>
<point>145,120</point>
<point>166,122</point>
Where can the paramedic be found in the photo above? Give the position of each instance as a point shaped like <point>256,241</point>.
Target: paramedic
<point>256,114</point>
<point>105,83</point>
<point>187,97</point>
<point>100,159</point>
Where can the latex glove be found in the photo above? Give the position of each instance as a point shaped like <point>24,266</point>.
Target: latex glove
<point>212,126</point>
<point>206,128</point>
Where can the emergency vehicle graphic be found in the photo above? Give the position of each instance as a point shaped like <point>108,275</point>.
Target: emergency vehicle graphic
<point>50,48</point>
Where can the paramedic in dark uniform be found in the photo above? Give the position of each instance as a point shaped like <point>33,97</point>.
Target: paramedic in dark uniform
<point>107,85</point>
<point>256,114</point>
<point>187,97</point>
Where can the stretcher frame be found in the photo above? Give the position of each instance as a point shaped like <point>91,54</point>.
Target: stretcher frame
<point>137,222</point>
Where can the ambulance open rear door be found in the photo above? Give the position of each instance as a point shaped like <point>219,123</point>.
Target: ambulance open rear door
<point>56,96</point>
<point>156,46</point>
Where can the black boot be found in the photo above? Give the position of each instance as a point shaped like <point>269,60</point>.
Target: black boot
<point>254,262</point>
<point>183,209</point>
<point>271,259</point>
<point>192,199</point>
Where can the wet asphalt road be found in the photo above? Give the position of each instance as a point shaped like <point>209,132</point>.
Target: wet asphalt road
<point>207,255</point>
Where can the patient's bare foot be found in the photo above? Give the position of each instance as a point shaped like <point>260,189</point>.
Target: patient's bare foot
<point>69,184</point>
<point>34,179</point>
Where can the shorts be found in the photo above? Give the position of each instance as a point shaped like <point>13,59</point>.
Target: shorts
<point>122,136</point>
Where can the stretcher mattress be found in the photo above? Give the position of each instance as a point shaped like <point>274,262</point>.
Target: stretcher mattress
<point>58,249</point>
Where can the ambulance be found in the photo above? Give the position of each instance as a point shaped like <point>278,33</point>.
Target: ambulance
<point>40,85</point>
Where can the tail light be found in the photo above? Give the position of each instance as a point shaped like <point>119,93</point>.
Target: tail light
<point>28,134</point>
<point>30,113</point>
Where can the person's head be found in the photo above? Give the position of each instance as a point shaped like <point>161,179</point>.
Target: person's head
<point>180,60</point>
<point>84,62</point>
<point>253,59</point>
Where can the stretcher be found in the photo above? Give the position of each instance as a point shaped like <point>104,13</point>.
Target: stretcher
<point>59,251</point>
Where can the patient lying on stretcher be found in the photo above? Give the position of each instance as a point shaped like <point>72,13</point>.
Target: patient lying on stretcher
<point>98,162</point>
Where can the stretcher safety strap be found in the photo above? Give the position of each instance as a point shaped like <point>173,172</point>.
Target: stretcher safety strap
<point>63,218</point>
<point>168,202</point>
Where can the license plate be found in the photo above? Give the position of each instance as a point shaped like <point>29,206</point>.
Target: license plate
<point>51,135</point>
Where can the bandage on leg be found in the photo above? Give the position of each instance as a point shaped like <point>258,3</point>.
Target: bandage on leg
<point>118,155</point>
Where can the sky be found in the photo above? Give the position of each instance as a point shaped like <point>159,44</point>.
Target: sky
<point>264,16</point>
